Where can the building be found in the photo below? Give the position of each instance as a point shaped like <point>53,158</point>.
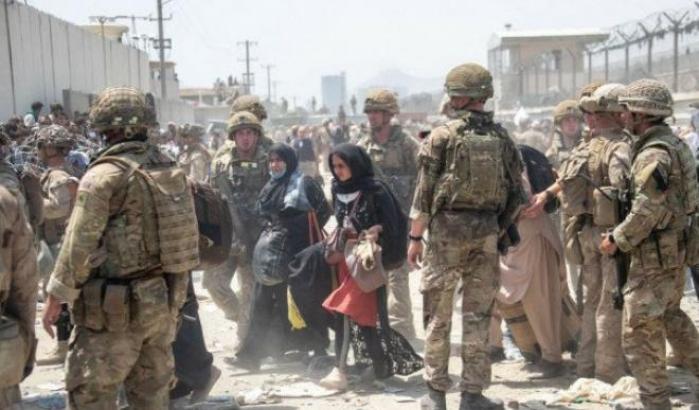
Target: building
<point>539,68</point>
<point>334,91</point>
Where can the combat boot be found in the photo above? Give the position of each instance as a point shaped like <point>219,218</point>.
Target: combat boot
<point>57,356</point>
<point>433,400</point>
<point>477,401</point>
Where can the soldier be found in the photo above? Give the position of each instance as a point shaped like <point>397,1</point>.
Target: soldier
<point>239,171</point>
<point>664,195</point>
<point>567,119</point>
<point>468,193</point>
<point>195,160</point>
<point>58,188</point>
<point>601,165</point>
<point>394,154</point>
<point>131,241</point>
<point>18,283</point>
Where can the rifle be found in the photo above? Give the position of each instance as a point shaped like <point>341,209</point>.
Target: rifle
<point>621,258</point>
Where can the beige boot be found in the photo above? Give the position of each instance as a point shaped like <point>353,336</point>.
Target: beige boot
<point>57,356</point>
<point>336,380</point>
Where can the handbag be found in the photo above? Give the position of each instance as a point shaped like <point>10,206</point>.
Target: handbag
<point>363,257</point>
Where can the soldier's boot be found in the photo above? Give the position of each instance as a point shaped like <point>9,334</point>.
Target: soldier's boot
<point>548,370</point>
<point>57,356</point>
<point>477,401</point>
<point>433,400</point>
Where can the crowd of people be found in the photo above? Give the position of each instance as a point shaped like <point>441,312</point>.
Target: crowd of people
<point>577,234</point>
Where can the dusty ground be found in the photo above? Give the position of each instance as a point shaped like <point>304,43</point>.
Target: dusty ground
<point>510,378</point>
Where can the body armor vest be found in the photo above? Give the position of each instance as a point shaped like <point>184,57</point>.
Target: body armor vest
<point>156,226</point>
<point>475,174</point>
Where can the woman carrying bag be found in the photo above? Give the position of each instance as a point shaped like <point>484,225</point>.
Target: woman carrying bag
<point>368,238</point>
<point>287,203</point>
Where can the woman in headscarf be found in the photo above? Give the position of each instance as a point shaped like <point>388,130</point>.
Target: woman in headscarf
<point>362,203</point>
<point>285,204</point>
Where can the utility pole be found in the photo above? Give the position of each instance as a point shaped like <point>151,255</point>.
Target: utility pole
<point>269,68</point>
<point>247,80</point>
<point>161,43</point>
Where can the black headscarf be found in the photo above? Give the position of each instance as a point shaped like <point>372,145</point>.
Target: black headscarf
<point>271,198</point>
<point>359,164</point>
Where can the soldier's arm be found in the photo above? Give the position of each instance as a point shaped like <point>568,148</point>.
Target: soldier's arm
<point>61,190</point>
<point>620,165</point>
<point>431,158</point>
<point>200,168</point>
<point>85,229</point>
<point>25,279</point>
<point>648,207</point>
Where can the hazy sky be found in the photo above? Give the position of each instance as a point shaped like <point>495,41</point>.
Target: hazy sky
<point>306,39</point>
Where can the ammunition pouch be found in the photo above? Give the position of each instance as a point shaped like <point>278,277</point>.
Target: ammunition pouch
<point>660,251</point>
<point>13,352</point>
<point>113,304</point>
<point>605,209</point>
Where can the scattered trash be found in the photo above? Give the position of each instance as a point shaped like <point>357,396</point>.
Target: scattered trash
<point>256,396</point>
<point>52,401</point>
<point>50,386</point>
<point>624,391</point>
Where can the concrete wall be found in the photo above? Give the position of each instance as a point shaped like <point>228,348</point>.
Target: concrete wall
<point>41,56</point>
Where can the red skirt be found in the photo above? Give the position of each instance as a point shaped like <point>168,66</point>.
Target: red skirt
<point>348,299</point>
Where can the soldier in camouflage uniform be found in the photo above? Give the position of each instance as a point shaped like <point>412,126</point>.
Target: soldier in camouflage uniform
<point>664,196</point>
<point>567,120</point>
<point>131,241</point>
<point>468,193</point>
<point>195,160</point>
<point>602,162</point>
<point>18,283</point>
<point>394,153</point>
<point>239,171</point>
<point>59,188</point>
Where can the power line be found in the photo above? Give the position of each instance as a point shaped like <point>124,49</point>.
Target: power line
<point>248,76</point>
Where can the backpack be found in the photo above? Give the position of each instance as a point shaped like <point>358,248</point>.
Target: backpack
<point>215,225</point>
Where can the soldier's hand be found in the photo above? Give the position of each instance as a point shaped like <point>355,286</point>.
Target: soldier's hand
<point>607,247</point>
<point>415,254</point>
<point>52,310</point>
<point>536,206</point>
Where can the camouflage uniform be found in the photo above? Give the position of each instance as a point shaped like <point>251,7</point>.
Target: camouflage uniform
<point>58,187</point>
<point>467,216</point>
<point>130,242</point>
<point>18,284</point>
<point>605,161</point>
<point>664,193</point>
<point>195,160</point>
<point>560,148</point>
<point>396,164</point>
<point>239,181</point>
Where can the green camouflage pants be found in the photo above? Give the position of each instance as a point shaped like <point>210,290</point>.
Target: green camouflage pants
<point>400,307</point>
<point>600,352</point>
<point>474,262</point>
<point>651,314</point>
<point>218,282</point>
<point>140,358</point>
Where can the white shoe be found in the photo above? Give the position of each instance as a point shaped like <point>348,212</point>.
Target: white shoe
<point>336,380</point>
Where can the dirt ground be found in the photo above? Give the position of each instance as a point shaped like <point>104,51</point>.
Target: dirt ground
<point>510,378</point>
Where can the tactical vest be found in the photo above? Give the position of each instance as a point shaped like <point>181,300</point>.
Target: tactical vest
<point>156,225</point>
<point>683,198</point>
<point>475,177</point>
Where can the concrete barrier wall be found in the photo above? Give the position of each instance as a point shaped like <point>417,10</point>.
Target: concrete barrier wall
<point>49,55</point>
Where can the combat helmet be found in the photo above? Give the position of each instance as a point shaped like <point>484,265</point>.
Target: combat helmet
<point>566,108</point>
<point>243,119</point>
<point>250,103</point>
<point>55,136</point>
<point>123,107</point>
<point>604,99</point>
<point>381,100</point>
<point>469,80</point>
<point>192,131</point>
<point>589,88</point>
<point>649,97</point>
